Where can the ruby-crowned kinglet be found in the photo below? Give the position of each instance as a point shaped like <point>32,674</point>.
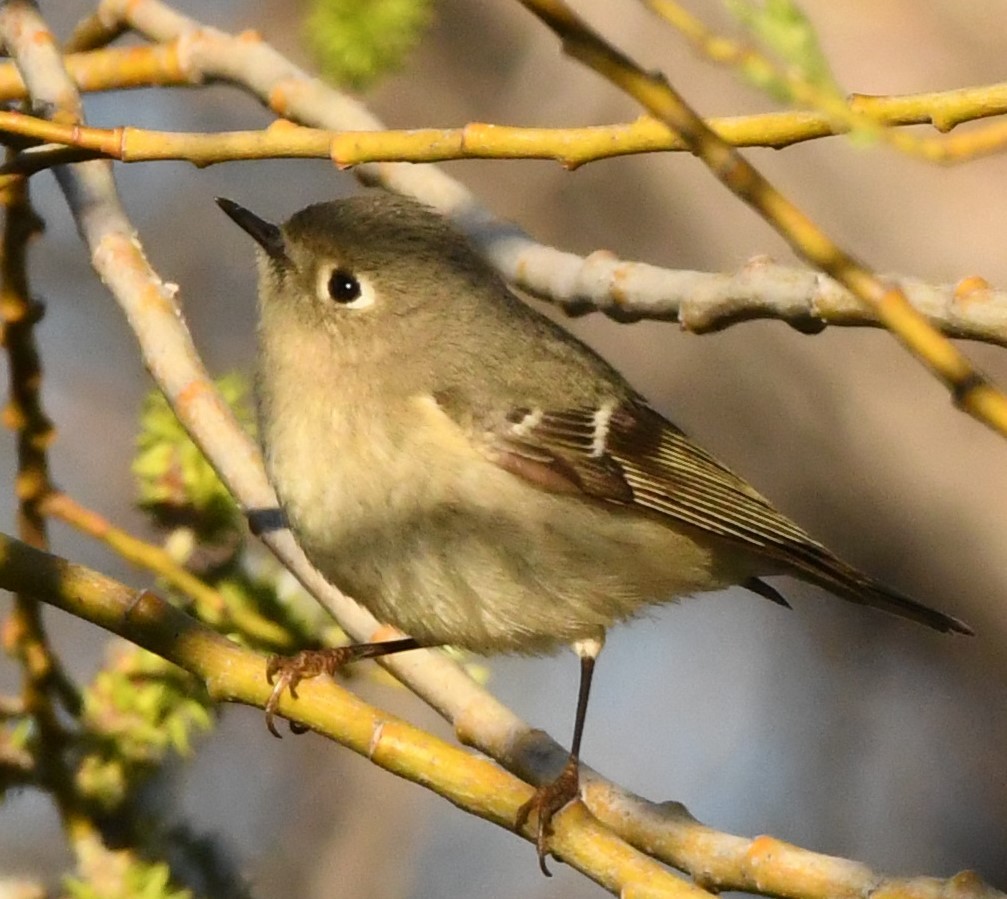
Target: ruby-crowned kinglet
<point>476,476</point>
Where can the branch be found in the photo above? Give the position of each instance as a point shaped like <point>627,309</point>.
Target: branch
<point>701,302</point>
<point>844,114</point>
<point>763,865</point>
<point>232,673</point>
<point>44,682</point>
<point>106,70</point>
<point>210,604</point>
<point>970,390</point>
<point>571,147</point>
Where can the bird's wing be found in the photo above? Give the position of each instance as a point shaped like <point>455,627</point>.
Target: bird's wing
<point>624,452</point>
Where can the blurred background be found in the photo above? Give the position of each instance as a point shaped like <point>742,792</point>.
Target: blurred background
<point>838,729</point>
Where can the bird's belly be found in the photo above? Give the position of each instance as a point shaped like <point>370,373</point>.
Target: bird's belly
<point>490,581</point>
<point>448,547</point>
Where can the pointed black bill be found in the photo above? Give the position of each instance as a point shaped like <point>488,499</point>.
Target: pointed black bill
<point>265,234</point>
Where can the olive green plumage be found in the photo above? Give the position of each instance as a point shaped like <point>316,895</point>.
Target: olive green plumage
<point>468,470</point>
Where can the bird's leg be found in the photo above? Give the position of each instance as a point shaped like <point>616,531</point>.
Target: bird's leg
<point>286,672</point>
<point>553,796</point>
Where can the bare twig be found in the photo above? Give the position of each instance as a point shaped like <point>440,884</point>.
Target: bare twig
<point>970,390</point>
<point>212,606</point>
<point>44,682</point>
<point>700,302</point>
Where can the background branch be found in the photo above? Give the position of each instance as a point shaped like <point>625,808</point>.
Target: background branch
<point>970,390</point>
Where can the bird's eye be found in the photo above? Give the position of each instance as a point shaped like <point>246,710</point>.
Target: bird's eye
<point>343,287</point>
<point>339,285</point>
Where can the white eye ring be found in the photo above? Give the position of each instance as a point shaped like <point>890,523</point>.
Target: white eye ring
<point>340,286</point>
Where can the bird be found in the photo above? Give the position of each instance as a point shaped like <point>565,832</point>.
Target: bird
<point>475,475</point>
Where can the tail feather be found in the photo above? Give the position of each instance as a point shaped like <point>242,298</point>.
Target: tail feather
<point>845,581</point>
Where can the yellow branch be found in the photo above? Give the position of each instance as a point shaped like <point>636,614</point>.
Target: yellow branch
<point>845,114</point>
<point>571,147</point>
<point>119,68</point>
<point>970,389</point>
<point>161,65</point>
<point>211,605</point>
<point>232,673</point>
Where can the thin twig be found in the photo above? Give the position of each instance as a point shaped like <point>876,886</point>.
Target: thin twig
<point>45,684</point>
<point>212,606</point>
<point>843,114</point>
<point>970,390</point>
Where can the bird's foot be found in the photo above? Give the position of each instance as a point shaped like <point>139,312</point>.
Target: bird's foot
<point>286,672</point>
<point>547,801</point>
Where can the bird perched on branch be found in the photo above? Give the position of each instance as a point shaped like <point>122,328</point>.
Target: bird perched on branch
<point>476,476</point>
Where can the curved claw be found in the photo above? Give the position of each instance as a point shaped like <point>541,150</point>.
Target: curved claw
<point>286,672</point>
<point>283,682</point>
<point>547,801</point>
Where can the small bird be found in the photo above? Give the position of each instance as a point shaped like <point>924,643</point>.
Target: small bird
<point>476,476</point>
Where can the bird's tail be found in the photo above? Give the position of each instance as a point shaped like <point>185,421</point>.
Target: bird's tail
<point>845,581</point>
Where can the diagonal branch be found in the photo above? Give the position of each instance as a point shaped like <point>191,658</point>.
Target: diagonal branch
<point>233,673</point>
<point>210,604</point>
<point>970,390</point>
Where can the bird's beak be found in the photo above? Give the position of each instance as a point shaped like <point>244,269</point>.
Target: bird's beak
<point>266,235</point>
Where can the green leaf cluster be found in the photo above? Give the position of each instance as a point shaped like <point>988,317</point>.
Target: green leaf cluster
<point>355,42</point>
<point>175,483</point>
<point>124,876</point>
<point>783,30</point>
<point>138,709</point>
